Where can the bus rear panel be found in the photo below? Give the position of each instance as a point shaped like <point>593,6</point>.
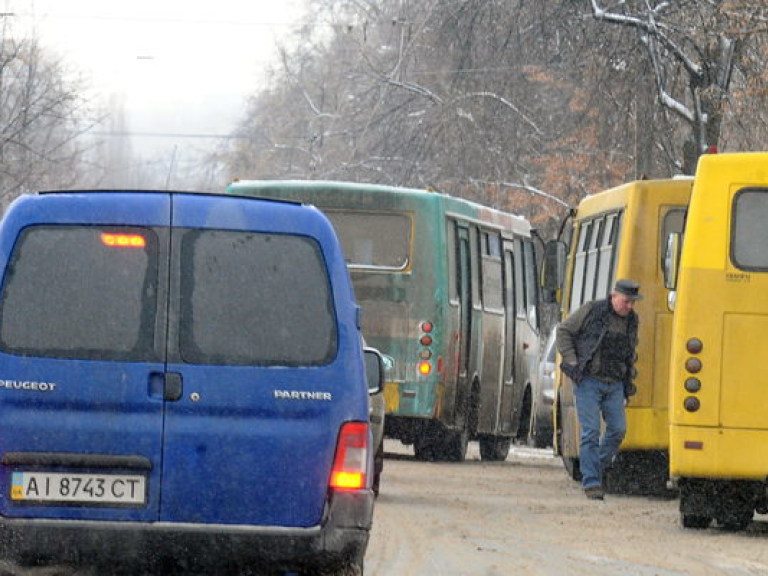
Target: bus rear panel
<point>718,429</point>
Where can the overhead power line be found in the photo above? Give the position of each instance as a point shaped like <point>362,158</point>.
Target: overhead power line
<point>124,133</point>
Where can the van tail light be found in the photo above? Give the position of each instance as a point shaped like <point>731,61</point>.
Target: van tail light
<point>123,240</point>
<point>350,465</point>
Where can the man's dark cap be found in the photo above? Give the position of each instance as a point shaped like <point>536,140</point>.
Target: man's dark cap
<point>628,288</point>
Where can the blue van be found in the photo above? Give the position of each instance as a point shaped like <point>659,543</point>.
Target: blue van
<point>182,379</point>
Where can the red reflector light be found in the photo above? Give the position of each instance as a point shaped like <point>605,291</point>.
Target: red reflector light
<point>426,340</point>
<point>692,404</point>
<point>123,240</point>
<point>694,346</point>
<point>693,365</point>
<point>426,326</point>
<point>693,384</point>
<point>350,465</point>
<point>425,368</point>
<point>693,445</point>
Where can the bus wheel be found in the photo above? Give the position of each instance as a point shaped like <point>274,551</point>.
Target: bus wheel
<point>572,467</point>
<point>424,451</point>
<point>524,428</point>
<point>428,441</point>
<point>455,445</point>
<point>494,448</point>
<point>639,473</point>
<point>736,520</point>
<point>695,521</point>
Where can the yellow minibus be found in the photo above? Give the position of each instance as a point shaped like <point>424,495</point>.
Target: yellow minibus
<point>717,395</point>
<point>621,233</point>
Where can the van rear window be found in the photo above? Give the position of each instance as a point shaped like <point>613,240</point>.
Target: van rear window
<point>254,299</point>
<point>81,292</point>
<point>88,292</point>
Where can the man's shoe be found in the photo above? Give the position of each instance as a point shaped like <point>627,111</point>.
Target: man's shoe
<point>594,493</point>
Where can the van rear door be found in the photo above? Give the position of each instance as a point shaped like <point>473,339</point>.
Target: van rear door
<point>253,344</point>
<point>82,321</point>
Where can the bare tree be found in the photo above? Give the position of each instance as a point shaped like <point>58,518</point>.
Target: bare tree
<point>526,106</point>
<point>694,48</point>
<point>41,116</point>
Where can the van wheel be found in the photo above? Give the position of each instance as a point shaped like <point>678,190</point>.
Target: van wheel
<point>378,467</point>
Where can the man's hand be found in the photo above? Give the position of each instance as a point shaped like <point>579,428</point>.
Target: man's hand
<point>573,371</point>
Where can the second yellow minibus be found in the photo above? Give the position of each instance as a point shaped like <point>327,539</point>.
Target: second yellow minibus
<point>620,233</point>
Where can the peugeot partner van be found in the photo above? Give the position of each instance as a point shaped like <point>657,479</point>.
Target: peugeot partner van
<point>182,379</point>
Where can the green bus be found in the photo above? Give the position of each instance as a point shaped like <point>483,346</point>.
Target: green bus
<point>448,291</point>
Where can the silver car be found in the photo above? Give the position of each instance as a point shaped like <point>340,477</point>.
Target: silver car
<point>544,396</point>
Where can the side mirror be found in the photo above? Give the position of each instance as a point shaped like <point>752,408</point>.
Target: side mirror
<point>670,263</point>
<point>374,369</point>
<point>553,270</point>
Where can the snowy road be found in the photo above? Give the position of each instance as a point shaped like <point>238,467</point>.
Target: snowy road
<point>525,516</point>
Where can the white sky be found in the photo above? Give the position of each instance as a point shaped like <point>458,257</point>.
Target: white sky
<point>179,66</point>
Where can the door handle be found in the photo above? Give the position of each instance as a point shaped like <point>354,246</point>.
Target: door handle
<point>172,387</point>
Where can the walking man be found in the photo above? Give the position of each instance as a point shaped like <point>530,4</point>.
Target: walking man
<point>597,343</point>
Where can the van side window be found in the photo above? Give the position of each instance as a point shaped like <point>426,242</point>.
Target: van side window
<point>81,292</point>
<point>254,299</point>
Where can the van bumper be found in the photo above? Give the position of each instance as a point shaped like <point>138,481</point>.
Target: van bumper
<point>342,537</point>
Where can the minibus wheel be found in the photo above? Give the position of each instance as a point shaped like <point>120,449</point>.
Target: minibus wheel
<point>695,521</point>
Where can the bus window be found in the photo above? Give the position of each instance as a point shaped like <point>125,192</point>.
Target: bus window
<point>491,267</point>
<point>531,288</point>
<point>475,258</point>
<point>519,279</point>
<point>452,243</point>
<point>750,235</point>
<point>606,255</point>
<point>492,244</point>
<point>373,240</point>
<point>510,298</point>
<point>592,257</point>
<point>579,265</point>
<point>672,221</point>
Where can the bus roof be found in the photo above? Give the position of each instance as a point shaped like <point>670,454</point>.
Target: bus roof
<point>337,194</point>
<point>674,190</point>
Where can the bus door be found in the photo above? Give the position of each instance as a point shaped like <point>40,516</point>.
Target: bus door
<point>510,314</point>
<point>464,282</point>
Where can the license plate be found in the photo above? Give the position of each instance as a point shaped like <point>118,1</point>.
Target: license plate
<point>74,488</point>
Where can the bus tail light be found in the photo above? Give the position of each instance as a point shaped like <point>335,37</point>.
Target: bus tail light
<point>693,365</point>
<point>694,346</point>
<point>426,340</point>
<point>350,465</point>
<point>692,404</point>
